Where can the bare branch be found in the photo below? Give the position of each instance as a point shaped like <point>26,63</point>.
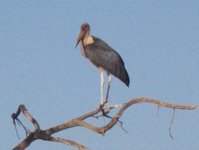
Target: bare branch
<point>69,142</point>
<point>25,143</point>
<point>46,134</point>
<point>22,109</point>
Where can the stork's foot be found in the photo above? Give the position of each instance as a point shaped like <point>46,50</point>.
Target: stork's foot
<point>106,101</point>
<point>106,109</point>
<point>103,106</point>
<point>103,102</point>
<point>113,106</point>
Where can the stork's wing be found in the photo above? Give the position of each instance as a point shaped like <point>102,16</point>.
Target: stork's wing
<point>103,56</point>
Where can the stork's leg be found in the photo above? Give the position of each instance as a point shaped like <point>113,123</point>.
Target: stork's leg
<point>109,85</point>
<point>102,87</point>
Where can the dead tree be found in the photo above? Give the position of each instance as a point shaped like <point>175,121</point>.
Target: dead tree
<point>47,134</point>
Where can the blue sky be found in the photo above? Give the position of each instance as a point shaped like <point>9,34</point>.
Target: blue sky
<point>39,67</point>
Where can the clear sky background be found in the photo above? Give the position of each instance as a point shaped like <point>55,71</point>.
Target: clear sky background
<point>39,67</point>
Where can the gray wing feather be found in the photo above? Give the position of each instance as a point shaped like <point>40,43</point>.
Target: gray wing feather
<point>102,55</point>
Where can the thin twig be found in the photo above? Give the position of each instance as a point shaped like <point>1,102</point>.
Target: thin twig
<point>16,131</point>
<point>157,111</point>
<point>121,126</point>
<point>171,123</point>
<point>26,129</point>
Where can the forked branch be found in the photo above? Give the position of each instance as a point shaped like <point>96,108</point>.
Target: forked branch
<point>46,134</point>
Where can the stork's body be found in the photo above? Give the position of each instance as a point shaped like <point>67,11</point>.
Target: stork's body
<point>103,57</point>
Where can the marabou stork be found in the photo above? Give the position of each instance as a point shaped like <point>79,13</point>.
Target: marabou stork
<point>103,57</point>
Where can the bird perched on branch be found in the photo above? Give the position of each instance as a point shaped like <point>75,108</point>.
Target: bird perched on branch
<point>103,57</point>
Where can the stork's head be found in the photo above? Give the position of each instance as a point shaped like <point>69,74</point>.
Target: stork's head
<point>84,30</point>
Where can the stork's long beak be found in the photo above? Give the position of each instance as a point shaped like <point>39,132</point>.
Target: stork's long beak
<point>80,37</point>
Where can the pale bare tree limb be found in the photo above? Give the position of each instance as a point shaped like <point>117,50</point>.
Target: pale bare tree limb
<point>46,134</point>
<point>69,142</point>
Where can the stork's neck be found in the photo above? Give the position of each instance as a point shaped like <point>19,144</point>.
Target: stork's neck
<point>88,39</point>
